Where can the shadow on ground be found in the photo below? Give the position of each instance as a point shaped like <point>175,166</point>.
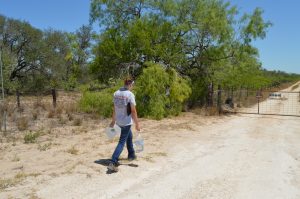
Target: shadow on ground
<point>105,162</point>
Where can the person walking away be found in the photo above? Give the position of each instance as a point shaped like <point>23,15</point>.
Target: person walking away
<point>124,114</point>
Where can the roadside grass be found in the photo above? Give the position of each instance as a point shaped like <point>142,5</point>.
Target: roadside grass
<point>73,150</point>
<point>16,158</point>
<point>22,123</point>
<point>77,121</point>
<point>31,137</point>
<point>295,87</point>
<point>44,147</point>
<point>18,178</point>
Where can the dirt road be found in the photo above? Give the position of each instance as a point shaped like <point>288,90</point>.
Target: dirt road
<point>241,157</point>
<point>191,156</point>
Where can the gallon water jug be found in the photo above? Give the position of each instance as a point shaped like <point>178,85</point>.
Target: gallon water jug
<point>112,132</point>
<point>139,143</point>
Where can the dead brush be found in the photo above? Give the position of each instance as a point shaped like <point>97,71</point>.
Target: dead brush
<point>7,107</point>
<point>77,121</point>
<point>210,111</point>
<point>71,108</point>
<point>35,114</point>
<point>70,116</point>
<point>61,120</point>
<point>51,113</point>
<point>22,123</point>
<point>39,104</point>
<point>59,109</point>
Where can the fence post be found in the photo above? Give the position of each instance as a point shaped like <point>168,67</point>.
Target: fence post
<point>258,105</point>
<point>219,104</point>
<point>258,96</point>
<point>53,91</point>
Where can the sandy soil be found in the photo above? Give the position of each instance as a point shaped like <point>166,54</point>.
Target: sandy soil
<point>190,156</point>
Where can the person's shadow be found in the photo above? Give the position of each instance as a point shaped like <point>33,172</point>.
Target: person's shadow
<point>105,162</point>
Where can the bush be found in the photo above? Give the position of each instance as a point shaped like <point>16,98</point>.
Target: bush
<point>199,92</point>
<point>98,102</point>
<point>160,92</point>
<point>31,137</point>
<point>22,123</point>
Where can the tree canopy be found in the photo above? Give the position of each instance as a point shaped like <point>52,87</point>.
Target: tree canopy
<point>206,39</point>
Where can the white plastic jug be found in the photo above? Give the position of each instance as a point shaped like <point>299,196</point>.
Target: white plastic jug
<point>139,143</point>
<point>112,132</point>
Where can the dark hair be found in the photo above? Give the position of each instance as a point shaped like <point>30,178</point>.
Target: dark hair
<point>128,81</point>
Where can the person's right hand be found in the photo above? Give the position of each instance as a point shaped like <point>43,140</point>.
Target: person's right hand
<point>112,124</point>
<point>137,127</point>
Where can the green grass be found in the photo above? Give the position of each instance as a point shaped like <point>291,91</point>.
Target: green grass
<point>31,137</point>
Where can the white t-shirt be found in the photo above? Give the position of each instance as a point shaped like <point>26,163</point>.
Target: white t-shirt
<point>121,98</point>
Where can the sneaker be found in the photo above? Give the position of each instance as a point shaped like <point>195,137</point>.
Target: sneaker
<point>112,167</point>
<point>132,158</point>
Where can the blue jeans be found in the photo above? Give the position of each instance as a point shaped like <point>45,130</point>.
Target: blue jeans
<point>126,136</point>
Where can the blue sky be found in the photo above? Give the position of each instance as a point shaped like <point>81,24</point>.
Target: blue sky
<point>280,50</point>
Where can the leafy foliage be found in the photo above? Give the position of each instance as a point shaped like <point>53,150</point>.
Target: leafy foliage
<point>99,102</point>
<point>160,92</point>
<point>204,40</point>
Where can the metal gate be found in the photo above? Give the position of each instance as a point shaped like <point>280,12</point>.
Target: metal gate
<point>283,103</point>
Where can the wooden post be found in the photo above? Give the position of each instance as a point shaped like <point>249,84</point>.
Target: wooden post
<point>219,100</point>
<point>53,91</point>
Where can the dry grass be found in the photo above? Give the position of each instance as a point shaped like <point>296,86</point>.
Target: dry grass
<point>39,104</point>
<point>73,150</point>
<point>71,107</point>
<point>77,122</point>
<point>59,109</point>
<point>33,195</point>
<point>208,111</point>
<point>35,114</point>
<point>70,116</point>
<point>22,123</point>
<point>163,154</point>
<point>295,87</point>
<point>70,169</point>
<point>44,147</point>
<point>51,113</point>
<point>16,158</point>
<point>62,120</point>
<point>5,183</point>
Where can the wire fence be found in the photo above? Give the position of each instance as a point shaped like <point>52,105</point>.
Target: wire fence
<point>286,103</point>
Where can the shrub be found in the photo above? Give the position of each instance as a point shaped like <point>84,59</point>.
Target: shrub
<point>199,92</point>
<point>31,137</point>
<point>160,92</point>
<point>98,102</point>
